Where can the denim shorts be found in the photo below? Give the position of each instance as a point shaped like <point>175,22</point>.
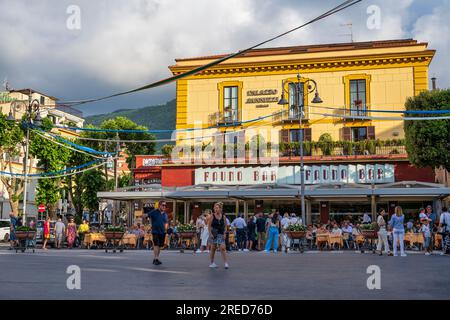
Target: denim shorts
<point>219,240</point>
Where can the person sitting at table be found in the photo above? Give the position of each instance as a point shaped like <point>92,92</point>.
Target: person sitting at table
<point>336,230</point>
<point>321,241</point>
<point>347,230</point>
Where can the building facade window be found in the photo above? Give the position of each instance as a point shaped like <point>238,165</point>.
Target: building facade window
<point>358,97</point>
<point>288,136</point>
<point>357,94</point>
<point>295,100</point>
<point>230,104</point>
<point>358,133</point>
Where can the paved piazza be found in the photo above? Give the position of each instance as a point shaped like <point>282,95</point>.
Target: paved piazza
<point>254,275</point>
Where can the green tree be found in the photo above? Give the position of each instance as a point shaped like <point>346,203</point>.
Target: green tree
<point>74,183</point>
<point>93,182</point>
<point>428,142</point>
<point>12,146</point>
<point>51,157</point>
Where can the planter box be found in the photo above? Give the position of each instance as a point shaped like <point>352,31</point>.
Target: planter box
<point>187,234</point>
<point>22,235</point>
<point>296,234</point>
<point>114,235</point>
<point>370,234</point>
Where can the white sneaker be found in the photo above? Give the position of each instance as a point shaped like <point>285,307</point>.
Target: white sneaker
<point>213,265</point>
<point>274,251</point>
<point>395,255</point>
<point>226,266</point>
<point>240,249</point>
<point>245,250</point>
<point>427,253</point>
<point>442,253</point>
<point>403,255</point>
<point>198,251</point>
<point>266,251</point>
<point>206,251</point>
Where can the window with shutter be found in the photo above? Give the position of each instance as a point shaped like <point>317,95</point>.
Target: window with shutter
<point>307,132</point>
<point>371,132</point>
<point>284,136</point>
<point>346,134</point>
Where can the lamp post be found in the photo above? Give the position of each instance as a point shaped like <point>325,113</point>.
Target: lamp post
<point>33,106</point>
<point>298,94</point>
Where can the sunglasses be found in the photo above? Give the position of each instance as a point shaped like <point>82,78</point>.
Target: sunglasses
<point>163,205</point>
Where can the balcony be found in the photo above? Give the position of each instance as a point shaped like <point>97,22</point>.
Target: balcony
<point>345,149</point>
<point>314,151</point>
<point>227,117</point>
<point>357,109</point>
<point>290,115</point>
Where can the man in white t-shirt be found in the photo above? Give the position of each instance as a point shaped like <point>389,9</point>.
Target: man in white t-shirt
<point>444,223</point>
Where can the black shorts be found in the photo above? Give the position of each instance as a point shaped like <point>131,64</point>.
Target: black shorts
<point>158,239</point>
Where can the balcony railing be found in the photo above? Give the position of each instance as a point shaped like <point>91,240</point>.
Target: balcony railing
<point>244,153</point>
<point>344,148</point>
<point>290,114</point>
<point>227,117</point>
<point>358,109</point>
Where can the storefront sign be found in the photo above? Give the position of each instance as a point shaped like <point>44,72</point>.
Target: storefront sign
<point>326,174</point>
<point>148,162</point>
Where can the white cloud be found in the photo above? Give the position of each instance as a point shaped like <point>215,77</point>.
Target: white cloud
<point>125,44</point>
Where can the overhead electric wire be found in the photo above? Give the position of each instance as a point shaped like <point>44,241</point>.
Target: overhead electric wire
<point>65,146</point>
<point>338,8</point>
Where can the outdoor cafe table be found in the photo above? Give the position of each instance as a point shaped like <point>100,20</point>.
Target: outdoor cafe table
<point>130,240</point>
<point>330,239</point>
<point>91,238</point>
<point>412,238</point>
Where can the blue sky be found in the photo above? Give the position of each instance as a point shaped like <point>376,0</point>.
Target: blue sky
<point>125,44</point>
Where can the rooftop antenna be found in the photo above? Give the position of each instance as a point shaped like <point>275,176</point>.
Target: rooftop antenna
<point>350,27</point>
<point>6,84</point>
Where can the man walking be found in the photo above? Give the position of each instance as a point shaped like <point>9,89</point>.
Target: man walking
<point>261,230</point>
<point>160,223</point>
<point>60,230</point>
<point>240,225</point>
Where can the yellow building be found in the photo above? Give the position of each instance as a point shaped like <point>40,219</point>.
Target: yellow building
<point>366,170</point>
<point>359,77</point>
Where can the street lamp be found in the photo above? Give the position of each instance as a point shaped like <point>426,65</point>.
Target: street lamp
<point>32,107</point>
<point>298,94</point>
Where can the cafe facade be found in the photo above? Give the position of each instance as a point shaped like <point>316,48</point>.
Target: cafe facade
<point>236,144</point>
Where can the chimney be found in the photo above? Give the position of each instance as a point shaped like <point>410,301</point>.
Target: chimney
<point>433,83</point>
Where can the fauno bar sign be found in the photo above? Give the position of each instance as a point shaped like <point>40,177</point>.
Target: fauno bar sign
<point>326,174</point>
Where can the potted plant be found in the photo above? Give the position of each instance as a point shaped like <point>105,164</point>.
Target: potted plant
<point>296,231</point>
<point>326,144</point>
<point>25,232</point>
<point>114,232</point>
<point>369,230</point>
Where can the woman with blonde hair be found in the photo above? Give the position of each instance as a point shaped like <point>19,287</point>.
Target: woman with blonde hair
<point>204,246</point>
<point>217,224</point>
<point>398,230</point>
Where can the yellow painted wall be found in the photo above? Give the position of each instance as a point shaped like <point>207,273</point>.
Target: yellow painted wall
<point>391,83</point>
